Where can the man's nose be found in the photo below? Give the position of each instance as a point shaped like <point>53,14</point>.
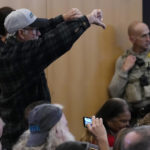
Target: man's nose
<point>148,37</point>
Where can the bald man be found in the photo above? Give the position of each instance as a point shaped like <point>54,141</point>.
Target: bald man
<point>135,138</point>
<point>131,80</point>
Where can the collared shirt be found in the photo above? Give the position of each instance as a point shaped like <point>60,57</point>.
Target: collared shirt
<point>127,84</point>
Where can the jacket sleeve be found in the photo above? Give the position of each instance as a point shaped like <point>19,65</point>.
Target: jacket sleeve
<point>119,80</point>
<point>51,24</point>
<point>38,54</point>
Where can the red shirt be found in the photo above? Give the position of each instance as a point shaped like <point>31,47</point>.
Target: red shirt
<point>111,140</point>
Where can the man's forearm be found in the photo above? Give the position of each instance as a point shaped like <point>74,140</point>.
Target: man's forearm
<point>103,144</point>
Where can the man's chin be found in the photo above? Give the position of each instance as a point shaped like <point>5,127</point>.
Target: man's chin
<point>147,46</point>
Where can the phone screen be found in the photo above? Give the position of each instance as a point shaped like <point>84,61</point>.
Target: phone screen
<point>87,120</point>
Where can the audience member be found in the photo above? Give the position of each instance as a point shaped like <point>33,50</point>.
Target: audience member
<point>26,55</point>
<point>131,80</point>
<point>133,137</point>
<point>4,11</point>
<point>116,116</point>
<point>141,144</point>
<point>120,137</point>
<point>75,145</point>
<point>48,129</point>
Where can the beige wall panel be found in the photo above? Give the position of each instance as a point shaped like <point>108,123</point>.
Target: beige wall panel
<point>80,78</point>
<point>37,6</point>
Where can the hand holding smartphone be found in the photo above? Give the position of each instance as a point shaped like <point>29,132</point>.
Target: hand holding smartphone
<point>87,120</point>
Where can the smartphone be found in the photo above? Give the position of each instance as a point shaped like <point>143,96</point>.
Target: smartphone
<point>87,120</point>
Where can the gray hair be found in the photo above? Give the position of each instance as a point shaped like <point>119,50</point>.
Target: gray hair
<point>52,140</point>
<point>141,131</point>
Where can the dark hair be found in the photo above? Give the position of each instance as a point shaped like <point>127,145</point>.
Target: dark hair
<point>73,145</point>
<point>111,109</point>
<point>4,11</point>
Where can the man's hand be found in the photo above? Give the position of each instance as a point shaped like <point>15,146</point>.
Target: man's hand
<point>73,13</point>
<point>95,17</point>
<point>129,63</point>
<point>98,130</point>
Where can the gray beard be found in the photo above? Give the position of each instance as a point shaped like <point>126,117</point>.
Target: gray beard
<point>54,141</point>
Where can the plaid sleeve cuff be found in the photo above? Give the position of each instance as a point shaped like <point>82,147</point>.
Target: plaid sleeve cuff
<point>84,21</point>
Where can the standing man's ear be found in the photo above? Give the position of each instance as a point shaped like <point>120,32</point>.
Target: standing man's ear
<point>21,34</point>
<point>132,38</point>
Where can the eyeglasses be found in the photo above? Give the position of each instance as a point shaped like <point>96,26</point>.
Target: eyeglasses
<point>34,30</point>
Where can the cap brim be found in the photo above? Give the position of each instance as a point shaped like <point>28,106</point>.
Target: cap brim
<point>40,23</point>
<point>36,139</point>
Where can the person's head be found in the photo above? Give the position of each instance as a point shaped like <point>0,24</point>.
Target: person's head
<point>135,135</point>
<point>75,145</point>
<point>4,11</point>
<point>130,137</point>
<point>140,144</point>
<point>115,113</point>
<point>48,127</point>
<point>24,24</point>
<point>139,36</point>
<point>120,137</point>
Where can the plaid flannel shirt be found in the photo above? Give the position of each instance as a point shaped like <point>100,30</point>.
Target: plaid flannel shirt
<point>22,64</point>
<point>1,43</point>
